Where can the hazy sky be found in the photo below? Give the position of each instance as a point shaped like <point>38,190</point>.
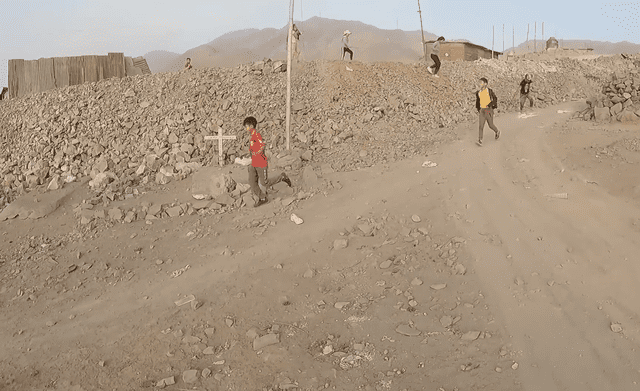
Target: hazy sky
<point>31,29</point>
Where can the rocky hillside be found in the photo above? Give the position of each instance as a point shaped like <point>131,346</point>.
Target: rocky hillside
<point>140,130</point>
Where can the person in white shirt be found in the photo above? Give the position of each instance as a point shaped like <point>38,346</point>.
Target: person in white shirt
<point>345,45</point>
<point>435,53</point>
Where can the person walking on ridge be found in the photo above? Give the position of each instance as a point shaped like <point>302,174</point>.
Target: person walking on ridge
<point>187,65</point>
<point>486,102</point>
<point>435,56</point>
<point>345,45</point>
<point>294,42</point>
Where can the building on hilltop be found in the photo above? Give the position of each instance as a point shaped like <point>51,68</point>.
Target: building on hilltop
<point>34,76</point>
<point>461,50</point>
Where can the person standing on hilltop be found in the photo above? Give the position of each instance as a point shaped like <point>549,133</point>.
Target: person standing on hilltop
<point>435,56</point>
<point>296,38</point>
<point>187,65</point>
<point>345,45</point>
<point>525,89</point>
<point>486,102</point>
<point>258,176</point>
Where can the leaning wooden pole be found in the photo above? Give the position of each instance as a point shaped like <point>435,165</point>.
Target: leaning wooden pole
<point>289,78</point>
<point>535,37</point>
<point>424,44</point>
<point>527,37</point>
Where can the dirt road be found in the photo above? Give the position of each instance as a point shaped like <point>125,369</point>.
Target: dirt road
<point>462,276</point>
<point>561,270</point>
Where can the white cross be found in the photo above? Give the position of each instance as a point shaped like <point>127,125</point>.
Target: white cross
<point>220,137</point>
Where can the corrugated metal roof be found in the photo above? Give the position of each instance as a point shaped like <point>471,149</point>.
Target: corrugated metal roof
<point>140,62</point>
<point>466,43</point>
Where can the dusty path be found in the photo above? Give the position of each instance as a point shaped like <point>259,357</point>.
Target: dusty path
<point>545,280</point>
<point>562,270</point>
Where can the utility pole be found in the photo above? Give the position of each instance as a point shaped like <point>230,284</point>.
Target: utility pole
<point>535,37</point>
<point>513,44</point>
<point>544,45</point>
<point>503,39</point>
<point>493,38</point>
<point>289,77</point>
<point>424,47</point>
<point>527,36</point>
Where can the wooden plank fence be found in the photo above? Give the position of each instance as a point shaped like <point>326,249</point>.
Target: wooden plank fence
<point>33,76</point>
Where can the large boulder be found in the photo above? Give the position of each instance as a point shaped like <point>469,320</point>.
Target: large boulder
<point>627,116</point>
<point>616,109</point>
<point>309,177</point>
<point>33,207</point>
<point>602,114</point>
<point>211,182</point>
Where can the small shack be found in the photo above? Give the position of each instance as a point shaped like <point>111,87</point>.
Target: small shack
<point>461,50</point>
<point>33,76</point>
<point>552,44</point>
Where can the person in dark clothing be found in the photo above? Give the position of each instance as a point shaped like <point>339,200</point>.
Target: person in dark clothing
<point>187,64</point>
<point>345,45</point>
<point>486,102</point>
<point>525,90</point>
<point>435,56</point>
<point>258,176</point>
<point>294,42</point>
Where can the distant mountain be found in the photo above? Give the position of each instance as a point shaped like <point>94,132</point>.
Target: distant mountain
<point>321,39</point>
<point>599,47</point>
<point>160,59</point>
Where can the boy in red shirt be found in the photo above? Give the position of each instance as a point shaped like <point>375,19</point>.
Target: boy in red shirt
<point>258,178</point>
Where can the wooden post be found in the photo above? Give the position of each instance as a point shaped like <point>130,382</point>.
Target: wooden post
<point>424,48</point>
<point>527,36</point>
<point>513,44</point>
<point>289,78</point>
<point>493,38</point>
<point>535,37</point>
<point>543,42</point>
<point>503,39</point>
<point>220,137</point>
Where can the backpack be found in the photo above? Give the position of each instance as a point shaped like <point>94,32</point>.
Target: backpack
<point>494,99</point>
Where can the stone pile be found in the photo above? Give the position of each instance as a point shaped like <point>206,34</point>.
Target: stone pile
<point>619,99</point>
<point>138,131</point>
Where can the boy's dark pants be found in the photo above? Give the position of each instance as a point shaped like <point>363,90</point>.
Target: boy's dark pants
<point>486,115</point>
<point>523,100</point>
<point>345,51</point>
<point>260,174</point>
<point>436,65</point>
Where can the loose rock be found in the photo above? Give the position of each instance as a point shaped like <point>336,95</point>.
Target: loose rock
<point>266,340</point>
<point>407,330</point>
<point>340,244</point>
<point>190,376</point>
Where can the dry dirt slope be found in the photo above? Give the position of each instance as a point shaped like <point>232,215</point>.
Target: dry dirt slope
<point>438,300</point>
<point>490,286</point>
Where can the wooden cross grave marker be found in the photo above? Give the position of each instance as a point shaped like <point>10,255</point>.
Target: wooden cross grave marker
<point>220,137</point>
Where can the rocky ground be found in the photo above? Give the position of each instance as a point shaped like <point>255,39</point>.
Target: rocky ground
<point>430,264</point>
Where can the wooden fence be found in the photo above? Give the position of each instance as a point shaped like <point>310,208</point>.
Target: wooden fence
<point>29,77</point>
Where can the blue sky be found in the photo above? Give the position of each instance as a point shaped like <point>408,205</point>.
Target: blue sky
<point>31,29</point>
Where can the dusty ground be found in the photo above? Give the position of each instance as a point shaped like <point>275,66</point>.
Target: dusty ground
<point>498,286</point>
